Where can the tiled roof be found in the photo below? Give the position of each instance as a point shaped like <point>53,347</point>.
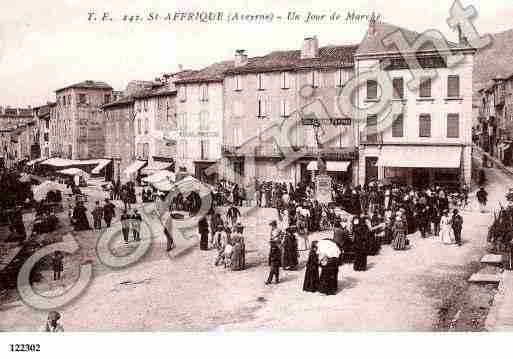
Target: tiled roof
<point>212,73</point>
<point>329,56</point>
<point>373,44</point>
<point>160,91</point>
<point>494,61</point>
<point>127,100</point>
<point>88,85</point>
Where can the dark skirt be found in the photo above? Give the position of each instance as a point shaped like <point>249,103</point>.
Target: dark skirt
<point>328,283</point>
<point>311,283</point>
<point>204,241</point>
<point>360,261</point>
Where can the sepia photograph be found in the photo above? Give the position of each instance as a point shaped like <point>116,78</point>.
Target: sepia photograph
<point>236,166</point>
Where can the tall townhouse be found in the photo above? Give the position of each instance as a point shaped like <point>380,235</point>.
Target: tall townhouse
<point>199,116</point>
<point>43,123</point>
<point>79,121</point>
<point>283,108</point>
<point>19,135</point>
<point>423,135</point>
<point>155,120</point>
<point>119,135</point>
<point>497,118</point>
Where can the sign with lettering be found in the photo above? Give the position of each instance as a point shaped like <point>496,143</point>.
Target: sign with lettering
<point>323,189</point>
<point>328,121</point>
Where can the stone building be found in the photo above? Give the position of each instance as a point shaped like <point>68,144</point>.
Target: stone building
<point>154,122</point>
<point>284,108</point>
<point>77,121</point>
<point>42,115</point>
<point>19,135</point>
<point>199,117</point>
<point>423,134</point>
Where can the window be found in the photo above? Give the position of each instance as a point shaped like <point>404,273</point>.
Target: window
<point>261,107</point>
<point>453,86</point>
<point>261,81</point>
<point>341,77</point>
<point>182,90</point>
<point>106,98</point>
<point>425,125</point>
<point>453,125</point>
<point>182,149</point>
<point>182,122</point>
<point>398,84</point>
<point>145,104</point>
<point>425,87</point>
<point>82,99</point>
<point>284,108</point>
<point>139,126</point>
<point>372,128</point>
<point>203,121</point>
<point>146,150</point>
<point>237,83</point>
<point>63,100</point>
<point>237,135</point>
<point>47,124</point>
<point>146,125</point>
<point>372,90</point>
<point>204,93</point>
<point>285,79</point>
<point>82,131</point>
<point>398,126</point>
<point>314,79</point>
<point>46,137</point>
<point>204,149</point>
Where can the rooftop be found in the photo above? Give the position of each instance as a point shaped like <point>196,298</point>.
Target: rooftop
<point>212,73</point>
<point>88,84</point>
<point>329,56</point>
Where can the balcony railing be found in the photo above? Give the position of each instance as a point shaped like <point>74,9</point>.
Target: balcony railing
<point>273,151</point>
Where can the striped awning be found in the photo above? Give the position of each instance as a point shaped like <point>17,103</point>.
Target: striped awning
<point>420,157</point>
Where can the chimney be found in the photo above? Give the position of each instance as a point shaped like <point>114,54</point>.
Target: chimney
<point>310,48</point>
<point>241,58</point>
<point>462,39</point>
<point>180,67</point>
<point>372,27</point>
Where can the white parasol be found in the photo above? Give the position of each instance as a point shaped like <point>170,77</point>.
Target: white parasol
<point>328,248</point>
<point>40,191</point>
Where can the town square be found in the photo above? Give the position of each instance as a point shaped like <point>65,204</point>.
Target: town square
<point>365,185</point>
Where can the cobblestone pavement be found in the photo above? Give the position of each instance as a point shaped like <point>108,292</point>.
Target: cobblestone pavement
<point>401,290</point>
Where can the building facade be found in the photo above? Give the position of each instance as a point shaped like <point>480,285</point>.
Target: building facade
<point>199,117</point>
<point>284,108</point>
<point>19,135</point>
<point>77,121</point>
<point>424,135</point>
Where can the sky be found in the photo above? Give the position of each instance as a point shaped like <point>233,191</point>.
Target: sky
<point>46,45</point>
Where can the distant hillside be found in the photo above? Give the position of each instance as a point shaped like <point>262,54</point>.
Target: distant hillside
<point>495,60</point>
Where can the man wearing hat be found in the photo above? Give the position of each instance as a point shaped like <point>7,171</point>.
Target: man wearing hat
<point>52,324</point>
<point>274,262</point>
<point>457,226</point>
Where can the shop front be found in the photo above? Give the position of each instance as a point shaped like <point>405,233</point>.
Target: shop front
<point>421,166</point>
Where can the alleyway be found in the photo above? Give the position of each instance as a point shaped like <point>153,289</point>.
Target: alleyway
<point>400,291</point>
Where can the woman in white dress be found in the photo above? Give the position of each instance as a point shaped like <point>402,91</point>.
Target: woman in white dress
<point>446,234</point>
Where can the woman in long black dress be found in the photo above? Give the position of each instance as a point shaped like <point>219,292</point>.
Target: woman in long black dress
<point>290,250</point>
<point>328,283</point>
<point>360,243</point>
<point>311,282</point>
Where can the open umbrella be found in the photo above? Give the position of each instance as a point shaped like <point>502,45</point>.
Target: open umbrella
<point>328,248</point>
<point>40,191</point>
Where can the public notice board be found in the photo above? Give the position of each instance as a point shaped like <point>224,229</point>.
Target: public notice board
<point>323,189</point>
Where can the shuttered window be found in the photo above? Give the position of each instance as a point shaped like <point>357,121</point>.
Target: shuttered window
<point>284,110</point>
<point>453,86</point>
<point>398,126</point>
<point>372,89</point>
<point>425,125</point>
<point>425,87</point>
<point>261,81</point>
<point>453,125</point>
<point>398,88</point>
<point>285,78</point>
<point>372,128</point>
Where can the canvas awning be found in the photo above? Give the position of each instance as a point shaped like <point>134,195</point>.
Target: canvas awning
<point>74,172</point>
<point>160,176</point>
<point>312,166</point>
<point>156,166</point>
<point>337,166</point>
<point>134,167</point>
<point>33,162</point>
<point>331,166</point>
<point>101,165</point>
<point>420,157</point>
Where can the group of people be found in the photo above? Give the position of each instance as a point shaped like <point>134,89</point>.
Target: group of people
<point>131,222</point>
